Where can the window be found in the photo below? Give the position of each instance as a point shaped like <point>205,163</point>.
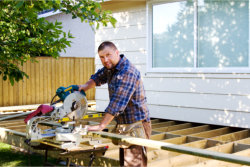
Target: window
<point>200,34</point>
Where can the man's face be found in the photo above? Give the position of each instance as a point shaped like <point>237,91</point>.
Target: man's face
<point>109,57</point>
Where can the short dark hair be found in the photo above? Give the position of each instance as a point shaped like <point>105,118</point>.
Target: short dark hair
<point>105,44</point>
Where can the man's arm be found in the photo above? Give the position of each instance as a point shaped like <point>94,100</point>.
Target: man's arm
<point>105,121</point>
<point>88,85</point>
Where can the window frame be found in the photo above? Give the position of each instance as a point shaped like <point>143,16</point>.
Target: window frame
<point>195,69</point>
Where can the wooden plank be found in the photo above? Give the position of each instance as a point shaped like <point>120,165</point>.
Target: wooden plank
<point>17,127</point>
<point>12,121</point>
<point>1,91</point>
<point>213,133</point>
<point>163,124</point>
<point>197,144</point>
<point>14,116</point>
<point>173,128</point>
<point>232,136</point>
<point>41,80</point>
<point>53,78</point>
<point>45,81</point>
<point>49,81</point>
<point>153,121</point>
<point>19,108</point>
<point>177,140</point>
<point>192,130</point>
<point>6,124</point>
<point>160,136</point>
<point>81,71</point>
<point>37,83</point>
<point>6,93</point>
<point>244,141</point>
<point>32,80</point>
<point>25,80</point>
<point>28,84</point>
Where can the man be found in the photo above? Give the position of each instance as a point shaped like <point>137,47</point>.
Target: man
<point>127,101</point>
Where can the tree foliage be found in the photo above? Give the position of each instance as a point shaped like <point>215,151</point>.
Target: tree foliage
<point>25,36</point>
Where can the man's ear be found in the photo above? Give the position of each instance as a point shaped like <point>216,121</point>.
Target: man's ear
<point>117,52</point>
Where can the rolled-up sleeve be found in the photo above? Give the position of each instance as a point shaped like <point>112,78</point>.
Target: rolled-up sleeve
<point>123,90</point>
<point>100,77</point>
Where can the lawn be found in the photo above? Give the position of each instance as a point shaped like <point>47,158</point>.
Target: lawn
<point>10,158</point>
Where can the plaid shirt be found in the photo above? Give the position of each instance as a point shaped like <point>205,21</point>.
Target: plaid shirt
<point>126,92</point>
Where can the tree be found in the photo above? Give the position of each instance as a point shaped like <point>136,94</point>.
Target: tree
<point>25,36</point>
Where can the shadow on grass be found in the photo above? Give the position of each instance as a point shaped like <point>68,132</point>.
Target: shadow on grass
<point>12,158</point>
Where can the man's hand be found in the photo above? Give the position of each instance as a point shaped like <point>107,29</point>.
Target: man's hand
<point>105,121</point>
<point>88,85</point>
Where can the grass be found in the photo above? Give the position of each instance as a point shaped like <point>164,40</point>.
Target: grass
<point>12,158</point>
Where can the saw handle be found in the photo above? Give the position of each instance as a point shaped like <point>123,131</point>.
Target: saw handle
<point>63,92</point>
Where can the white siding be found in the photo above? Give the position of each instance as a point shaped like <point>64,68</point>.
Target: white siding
<point>83,45</point>
<point>213,98</point>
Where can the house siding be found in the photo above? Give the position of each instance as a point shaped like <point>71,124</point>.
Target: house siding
<point>212,98</point>
<point>83,43</point>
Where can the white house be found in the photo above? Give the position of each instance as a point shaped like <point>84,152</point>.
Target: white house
<point>193,57</point>
<point>83,43</point>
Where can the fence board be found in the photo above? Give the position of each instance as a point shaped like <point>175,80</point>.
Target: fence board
<point>44,78</point>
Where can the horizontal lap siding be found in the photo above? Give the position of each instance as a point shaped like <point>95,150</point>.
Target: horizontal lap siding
<point>44,78</point>
<point>222,99</point>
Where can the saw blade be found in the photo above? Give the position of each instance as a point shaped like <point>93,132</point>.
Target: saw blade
<point>75,105</point>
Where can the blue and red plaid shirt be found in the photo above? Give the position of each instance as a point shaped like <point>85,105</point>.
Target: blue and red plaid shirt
<point>126,92</point>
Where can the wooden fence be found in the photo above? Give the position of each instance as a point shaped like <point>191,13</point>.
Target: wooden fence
<point>44,78</point>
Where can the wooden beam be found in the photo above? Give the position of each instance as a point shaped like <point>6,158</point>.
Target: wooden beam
<point>244,141</point>
<point>163,136</point>
<point>176,140</point>
<point>192,130</point>
<point>232,136</point>
<point>16,127</point>
<point>19,108</point>
<point>173,128</point>
<point>163,124</point>
<point>155,121</point>
<point>9,123</point>
<point>213,133</point>
<point>14,116</point>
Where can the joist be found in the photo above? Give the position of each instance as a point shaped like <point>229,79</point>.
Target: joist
<point>173,127</point>
<point>192,130</point>
<point>213,133</point>
<point>233,136</point>
<point>162,136</point>
<point>163,124</point>
<point>244,141</point>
